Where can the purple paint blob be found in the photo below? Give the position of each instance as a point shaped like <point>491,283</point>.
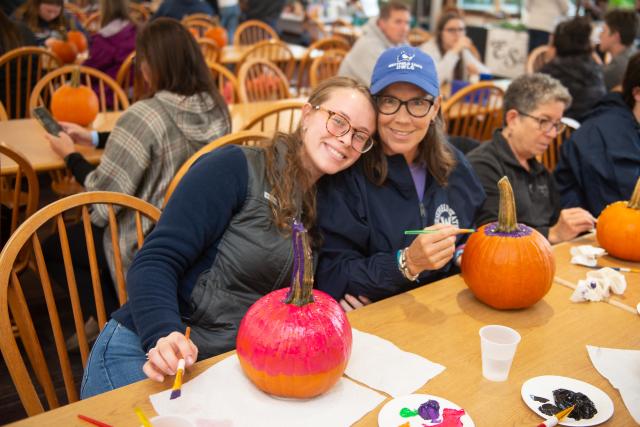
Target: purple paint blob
<point>430,410</point>
<point>522,231</point>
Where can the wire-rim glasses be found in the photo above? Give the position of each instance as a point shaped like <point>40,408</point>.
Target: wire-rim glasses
<point>417,107</point>
<point>338,125</point>
<point>545,125</point>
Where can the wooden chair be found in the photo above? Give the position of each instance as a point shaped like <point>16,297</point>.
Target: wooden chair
<point>418,36</point>
<point>21,69</point>
<point>139,13</point>
<point>326,66</point>
<point>92,23</point>
<point>253,31</point>
<point>198,27</point>
<point>551,156</point>
<point>210,49</point>
<point>3,113</point>
<point>275,51</point>
<point>130,79</point>
<point>244,137</point>
<point>344,29</point>
<point>303,82</point>
<point>42,92</point>
<point>538,57</point>
<point>226,82</point>
<point>200,17</point>
<point>18,201</point>
<point>474,111</point>
<point>262,80</point>
<point>12,299</point>
<point>283,117</point>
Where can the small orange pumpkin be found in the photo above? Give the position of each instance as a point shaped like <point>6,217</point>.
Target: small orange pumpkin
<point>218,35</point>
<point>618,228</point>
<point>505,264</point>
<point>62,47</point>
<point>77,37</point>
<point>73,102</point>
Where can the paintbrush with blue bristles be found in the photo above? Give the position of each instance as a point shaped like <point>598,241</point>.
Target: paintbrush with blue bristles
<point>176,390</point>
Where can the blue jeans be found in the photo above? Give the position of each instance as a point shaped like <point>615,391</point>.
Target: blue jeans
<point>229,17</point>
<point>116,360</point>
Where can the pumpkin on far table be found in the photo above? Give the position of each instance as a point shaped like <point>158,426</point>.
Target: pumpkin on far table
<point>77,37</point>
<point>63,48</point>
<point>295,342</point>
<point>218,35</point>
<point>505,264</point>
<point>618,228</point>
<point>73,102</point>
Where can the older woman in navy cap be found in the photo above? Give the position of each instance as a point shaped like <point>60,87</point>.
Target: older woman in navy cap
<point>411,179</point>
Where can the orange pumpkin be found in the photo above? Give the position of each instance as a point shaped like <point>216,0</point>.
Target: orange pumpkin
<point>295,342</point>
<point>218,35</point>
<point>64,49</point>
<point>73,102</point>
<point>505,264</point>
<point>618,228</point>
<point>78,39</point>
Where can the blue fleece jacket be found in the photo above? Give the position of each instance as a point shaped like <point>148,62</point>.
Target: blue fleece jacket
<point>600,163</point>
<point>363,225</point>
<point>183,244</point>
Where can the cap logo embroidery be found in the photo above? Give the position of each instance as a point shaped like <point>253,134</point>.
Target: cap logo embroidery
<point>405,62</point>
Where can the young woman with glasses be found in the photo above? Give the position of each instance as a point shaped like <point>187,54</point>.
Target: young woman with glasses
<point>533,106</point>
<point>451,50</point>
<point>411,179</point>
<point>224,240</point>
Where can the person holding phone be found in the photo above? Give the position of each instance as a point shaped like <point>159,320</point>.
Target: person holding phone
<point>182,112</point>
<point>412,179</point>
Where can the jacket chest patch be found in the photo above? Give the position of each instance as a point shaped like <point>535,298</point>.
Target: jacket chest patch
<point>446,215</point>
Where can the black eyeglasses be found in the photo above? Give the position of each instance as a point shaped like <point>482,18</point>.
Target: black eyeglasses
<point>417,107</point>
<point>338,125</point>
<point>545,125</point>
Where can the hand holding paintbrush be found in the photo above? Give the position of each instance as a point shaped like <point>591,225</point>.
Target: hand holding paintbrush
<point>165,356</point>
<point>432,249</point>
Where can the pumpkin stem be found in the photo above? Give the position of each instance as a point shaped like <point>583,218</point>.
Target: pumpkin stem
<point>507,221</point>
<point>75,77</point>
<point>634,202</point>
<point>301,290</point>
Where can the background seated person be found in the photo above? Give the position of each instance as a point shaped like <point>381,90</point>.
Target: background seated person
<point>617,38</point>
<point>390,29</point>
<point>178,9</point>
<point>451,50</point>
<point>533,106</point>
<point>411,179</point>
<point>575,67</point>
<point>600,163</point>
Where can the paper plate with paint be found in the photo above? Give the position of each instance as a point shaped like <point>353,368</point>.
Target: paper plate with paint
<point>549,394</point>
<point>417,410</point>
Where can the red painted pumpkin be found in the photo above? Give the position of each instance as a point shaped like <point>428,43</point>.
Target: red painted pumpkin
<point>73,102</point>
<point>618,228</point>
<point>295,342</point>
<point>505,264</point>
<point>64,49</point>
<point>218,35</point>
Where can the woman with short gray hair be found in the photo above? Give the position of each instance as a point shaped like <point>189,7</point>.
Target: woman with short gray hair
<point>533,106</point>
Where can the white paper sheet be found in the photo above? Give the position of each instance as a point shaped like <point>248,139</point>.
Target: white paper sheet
<point>224,396</point>
<point>380,364</point>
<point>622,369</point>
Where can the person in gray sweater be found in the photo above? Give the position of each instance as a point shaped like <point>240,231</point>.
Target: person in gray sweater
<point>389,30</point>
<point>617,37</point>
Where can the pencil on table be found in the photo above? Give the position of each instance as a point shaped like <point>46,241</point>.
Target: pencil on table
<point>177,384</point>
<point>93,421</point>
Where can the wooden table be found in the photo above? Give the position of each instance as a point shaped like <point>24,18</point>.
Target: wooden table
<point>232,54</point>
<point>27,137</point>
<point>441,322</point>
<point>571,273</point>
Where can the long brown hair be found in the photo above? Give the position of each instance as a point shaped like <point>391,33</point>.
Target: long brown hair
<point>110,10</point>
<point>175,61</point>
<point>450,15</point>
<point>434,152</point>
<point>10,36</point>
<point>289,180</point>
<point>29,13</point>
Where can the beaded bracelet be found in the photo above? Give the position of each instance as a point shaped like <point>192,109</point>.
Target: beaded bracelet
<point>402,265</point>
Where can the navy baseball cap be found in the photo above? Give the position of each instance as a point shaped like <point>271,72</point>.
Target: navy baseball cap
<point>405,64</point>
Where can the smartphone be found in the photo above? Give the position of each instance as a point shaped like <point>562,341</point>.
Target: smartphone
<point>46,120</point>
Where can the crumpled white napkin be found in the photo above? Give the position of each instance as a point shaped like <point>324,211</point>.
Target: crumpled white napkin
<point>586,255</point>
<point>599,285</point>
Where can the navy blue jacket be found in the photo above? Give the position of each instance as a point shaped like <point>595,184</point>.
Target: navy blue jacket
<point>600,163</point>
<point>363,225</point>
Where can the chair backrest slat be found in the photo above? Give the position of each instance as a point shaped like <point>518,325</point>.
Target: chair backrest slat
<point>475,111</point>
<point>283,117</point>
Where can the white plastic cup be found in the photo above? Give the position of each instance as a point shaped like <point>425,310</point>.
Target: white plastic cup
<point>171,421</point>
<point>498,346</point>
